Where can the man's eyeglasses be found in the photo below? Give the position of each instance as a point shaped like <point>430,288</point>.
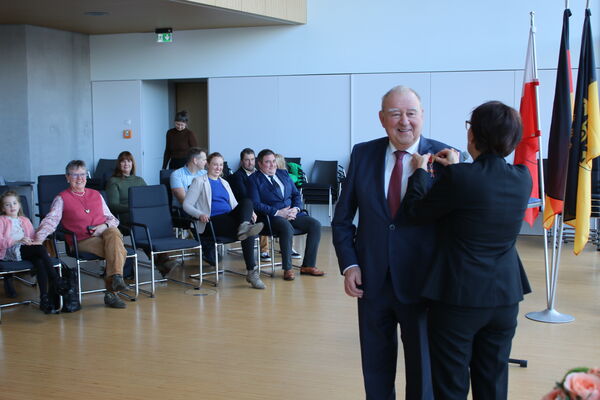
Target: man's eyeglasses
<point>467,125</point>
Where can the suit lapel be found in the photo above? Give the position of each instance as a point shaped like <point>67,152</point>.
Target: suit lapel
<point>270,186</point>
<point>379,161</point>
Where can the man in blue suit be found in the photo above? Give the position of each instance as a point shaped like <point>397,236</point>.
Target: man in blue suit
<point>384,259</point>
<point>274,194</point>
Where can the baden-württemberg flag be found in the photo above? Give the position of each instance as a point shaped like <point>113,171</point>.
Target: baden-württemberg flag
<point>585,142</point>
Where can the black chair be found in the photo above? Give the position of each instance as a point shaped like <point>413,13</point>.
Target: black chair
<point>48,187</point>
<point>102,173</point>
<point>323,186</point>
<point>180,220</point>
<point>296,160</point>
<point>152,228</point>
<point>10,268</point>
<point>226,171</point>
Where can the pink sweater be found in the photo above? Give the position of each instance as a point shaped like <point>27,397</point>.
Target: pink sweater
<point>6,229</point>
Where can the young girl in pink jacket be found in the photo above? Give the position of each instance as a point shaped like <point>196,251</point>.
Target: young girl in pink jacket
<point>17,244</point>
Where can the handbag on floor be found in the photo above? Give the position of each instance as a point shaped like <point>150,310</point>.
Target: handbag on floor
<point>69,290</point>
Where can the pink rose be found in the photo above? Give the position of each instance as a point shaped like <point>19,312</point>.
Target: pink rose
<point>586,386</point>
<point>556,394</point>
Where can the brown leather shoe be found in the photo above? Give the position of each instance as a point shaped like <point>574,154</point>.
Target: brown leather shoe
<point>314,271</point>
<point>288,275</point>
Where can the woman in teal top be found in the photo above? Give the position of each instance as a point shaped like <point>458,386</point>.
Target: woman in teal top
<point>117,189</point>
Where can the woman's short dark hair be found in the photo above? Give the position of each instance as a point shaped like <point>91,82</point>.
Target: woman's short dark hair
<point>263,153</point>
<point>496,128</point>
<point>213,155</point>
<point>181,116</point>
<point>124,155</point>
<point>74,164</point>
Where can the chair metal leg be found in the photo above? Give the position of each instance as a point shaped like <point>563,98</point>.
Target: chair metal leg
<point>79,279</point>
<point>25,281</point>
<point>152,268</point>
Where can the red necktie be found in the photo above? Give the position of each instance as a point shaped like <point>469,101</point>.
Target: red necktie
<point>395,187</point>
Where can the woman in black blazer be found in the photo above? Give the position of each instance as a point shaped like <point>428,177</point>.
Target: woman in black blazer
<point>476,279</point>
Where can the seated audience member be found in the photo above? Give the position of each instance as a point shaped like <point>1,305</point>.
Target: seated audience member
<point>239,179</point>
<point>239,183</point>
<point>84,212</point>
<point>182,178</point>
<point>210,198</point>
<point>117,189</point>
<point>274,194</point>
<point>17,244</point>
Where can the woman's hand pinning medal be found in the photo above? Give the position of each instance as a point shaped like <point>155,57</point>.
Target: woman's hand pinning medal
<point>444,157</point>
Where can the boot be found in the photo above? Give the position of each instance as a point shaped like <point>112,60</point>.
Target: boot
<point>46,306</point>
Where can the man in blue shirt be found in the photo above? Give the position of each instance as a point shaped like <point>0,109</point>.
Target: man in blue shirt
<point>182,178</point>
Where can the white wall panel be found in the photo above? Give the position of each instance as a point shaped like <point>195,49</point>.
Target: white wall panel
<point>155,123</point>
<point>116,106</point>
<point>455,94</point>
<point>367,91</point>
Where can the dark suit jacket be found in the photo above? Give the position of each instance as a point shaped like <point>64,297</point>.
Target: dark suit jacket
<point>266,198</point>
<point>380,243</point>
<point>238,182</point>
<point>478,209</point>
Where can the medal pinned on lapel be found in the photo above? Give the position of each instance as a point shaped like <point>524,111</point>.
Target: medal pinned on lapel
<point>430,166</point>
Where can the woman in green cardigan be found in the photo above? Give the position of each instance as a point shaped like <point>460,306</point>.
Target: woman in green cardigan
<point>117,189</point>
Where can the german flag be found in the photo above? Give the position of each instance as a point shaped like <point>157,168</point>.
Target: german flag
<point>560,130</point>
<point>585,142</point>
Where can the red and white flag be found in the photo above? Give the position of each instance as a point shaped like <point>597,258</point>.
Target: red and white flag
<point>526,151</point>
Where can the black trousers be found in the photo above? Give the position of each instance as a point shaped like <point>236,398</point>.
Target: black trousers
<point>378,318</point>
<point>284,229</point>
<point>38,256</point>
<point>227,225</point>
<point>463,339</point>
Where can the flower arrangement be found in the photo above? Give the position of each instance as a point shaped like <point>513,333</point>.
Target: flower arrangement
<point>578,384</point>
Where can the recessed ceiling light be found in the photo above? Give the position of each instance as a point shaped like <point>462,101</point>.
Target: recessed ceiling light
<point>95,13</point>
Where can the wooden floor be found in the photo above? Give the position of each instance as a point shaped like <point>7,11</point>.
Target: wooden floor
<point>294,340</point>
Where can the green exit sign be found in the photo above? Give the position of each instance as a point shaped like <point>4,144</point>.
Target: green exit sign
<point>164,37</point>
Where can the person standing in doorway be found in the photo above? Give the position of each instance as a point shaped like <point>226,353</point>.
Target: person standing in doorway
<point>179,141</point>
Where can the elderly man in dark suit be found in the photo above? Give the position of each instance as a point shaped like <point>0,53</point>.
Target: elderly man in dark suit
<point>274,194</point>
<point>384,260</point>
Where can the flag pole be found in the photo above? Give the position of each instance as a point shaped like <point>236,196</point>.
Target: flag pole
<point>540,158</point>
<point>549,315</point>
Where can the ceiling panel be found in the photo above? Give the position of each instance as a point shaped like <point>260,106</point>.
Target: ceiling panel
<point>125,16</point>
